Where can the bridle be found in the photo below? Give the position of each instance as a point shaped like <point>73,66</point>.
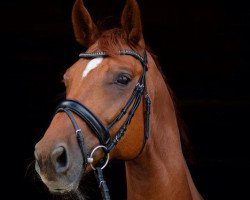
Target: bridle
<point>70,106</point>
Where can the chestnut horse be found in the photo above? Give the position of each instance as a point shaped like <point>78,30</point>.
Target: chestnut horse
<point>117,73</point>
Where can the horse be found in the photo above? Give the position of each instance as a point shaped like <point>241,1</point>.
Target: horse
<point>118,106</point>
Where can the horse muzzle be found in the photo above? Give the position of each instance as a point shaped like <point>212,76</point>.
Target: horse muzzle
<point>57,169</point>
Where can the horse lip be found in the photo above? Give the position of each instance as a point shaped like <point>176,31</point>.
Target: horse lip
<point>62,190</point>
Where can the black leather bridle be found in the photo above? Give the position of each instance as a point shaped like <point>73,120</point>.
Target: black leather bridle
<point>107,143</point>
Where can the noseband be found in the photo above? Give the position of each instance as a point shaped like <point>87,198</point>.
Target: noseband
<point>107,143</point>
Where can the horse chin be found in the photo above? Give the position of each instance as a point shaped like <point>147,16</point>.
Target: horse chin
<point>62,189</point>
<point>72,188</point>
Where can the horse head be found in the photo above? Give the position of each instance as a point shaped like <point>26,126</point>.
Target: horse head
<point>107,85</point>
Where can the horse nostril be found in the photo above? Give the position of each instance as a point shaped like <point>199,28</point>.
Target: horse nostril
<point>59,159</point>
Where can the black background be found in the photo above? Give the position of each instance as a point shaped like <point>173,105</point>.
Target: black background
<point>203,49</point>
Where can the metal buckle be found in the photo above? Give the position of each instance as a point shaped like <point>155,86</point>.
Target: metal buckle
<point>116,139</point>
<point>91,159</point>
<point>78,131</point>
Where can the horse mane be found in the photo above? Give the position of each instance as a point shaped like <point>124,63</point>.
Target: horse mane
<point>111,41</point>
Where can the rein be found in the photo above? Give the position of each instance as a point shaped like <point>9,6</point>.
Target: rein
<point>70,106</point>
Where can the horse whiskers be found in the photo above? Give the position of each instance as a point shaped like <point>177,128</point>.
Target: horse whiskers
<point>69,196</point>
<point>31,173</point>
<point>30,167</point>
<point>79,195</point>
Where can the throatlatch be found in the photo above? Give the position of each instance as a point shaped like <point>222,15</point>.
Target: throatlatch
<point>107,143</point>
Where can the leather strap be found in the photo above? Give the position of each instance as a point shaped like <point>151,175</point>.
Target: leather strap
<point>79,135</point>
<point>102,183</point>
<point>84,113</point>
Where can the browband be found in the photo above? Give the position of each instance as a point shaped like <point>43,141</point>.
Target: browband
<point>121,52</point>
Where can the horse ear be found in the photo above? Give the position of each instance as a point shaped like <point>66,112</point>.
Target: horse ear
<point>131,23</point>
<point>84,28</point>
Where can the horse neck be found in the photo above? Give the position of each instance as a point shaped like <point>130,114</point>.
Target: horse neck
<point>160,172</point>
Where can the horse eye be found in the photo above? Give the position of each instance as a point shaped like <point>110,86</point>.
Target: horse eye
<point>123,79</point>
